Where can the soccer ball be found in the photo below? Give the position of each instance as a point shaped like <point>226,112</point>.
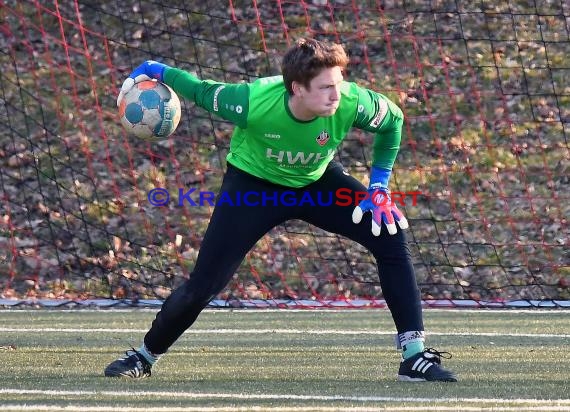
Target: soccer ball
<point>150,110</point>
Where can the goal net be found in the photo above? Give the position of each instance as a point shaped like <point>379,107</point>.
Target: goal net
<point>485,93</point>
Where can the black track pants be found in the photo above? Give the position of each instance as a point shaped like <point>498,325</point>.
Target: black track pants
<point>234,230</point>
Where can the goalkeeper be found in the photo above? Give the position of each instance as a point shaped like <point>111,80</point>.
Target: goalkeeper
<point>287,129</point>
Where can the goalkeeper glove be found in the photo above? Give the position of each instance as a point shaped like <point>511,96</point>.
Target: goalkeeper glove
<point>378,201</point>
<point>149,70</point>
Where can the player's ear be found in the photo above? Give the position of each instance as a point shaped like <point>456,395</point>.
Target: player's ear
<point>296,86</point>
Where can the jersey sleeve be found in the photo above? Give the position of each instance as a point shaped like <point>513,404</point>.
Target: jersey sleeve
<point>230,101</point>
<point>378,114</point>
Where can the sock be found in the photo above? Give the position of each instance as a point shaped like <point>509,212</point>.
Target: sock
<point>411,349</point>
<point>150,357</point>
<point>411,342</point>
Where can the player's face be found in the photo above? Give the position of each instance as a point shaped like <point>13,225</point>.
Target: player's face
<point>323,96</point>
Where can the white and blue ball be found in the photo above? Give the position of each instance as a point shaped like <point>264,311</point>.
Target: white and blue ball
<point>150,110</point>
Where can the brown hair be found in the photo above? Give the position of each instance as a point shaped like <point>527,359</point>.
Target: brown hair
<point>307,58</point>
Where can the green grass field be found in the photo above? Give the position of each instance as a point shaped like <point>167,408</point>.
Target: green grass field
<point>250,360</point>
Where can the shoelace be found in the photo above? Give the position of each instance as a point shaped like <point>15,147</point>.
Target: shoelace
<point>131,352</point>
<point>438,355</point>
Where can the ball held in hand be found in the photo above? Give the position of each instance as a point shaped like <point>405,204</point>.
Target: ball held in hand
<point>150,110</point>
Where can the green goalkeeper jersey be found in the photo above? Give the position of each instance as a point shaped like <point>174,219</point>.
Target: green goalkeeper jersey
<point>270,143</point>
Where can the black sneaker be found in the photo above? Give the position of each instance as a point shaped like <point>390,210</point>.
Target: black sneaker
<point>426,366</point>
<point>133,365</point>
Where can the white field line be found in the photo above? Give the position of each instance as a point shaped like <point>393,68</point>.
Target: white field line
<point>80,408</point>
<point>291,397</point>
<point>276,397</point>
<point>281,331</point>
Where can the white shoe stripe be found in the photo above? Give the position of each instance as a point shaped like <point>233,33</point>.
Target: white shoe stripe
<point>418,363</point>
<point>422,365</point>
<point>426,367</point>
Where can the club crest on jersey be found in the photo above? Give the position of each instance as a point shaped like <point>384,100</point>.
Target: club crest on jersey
<point>323,138</point>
